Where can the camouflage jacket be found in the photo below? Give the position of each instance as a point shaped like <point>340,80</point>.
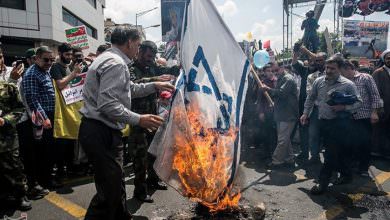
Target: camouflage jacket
<point>139,74</point>
<point>11,110</point>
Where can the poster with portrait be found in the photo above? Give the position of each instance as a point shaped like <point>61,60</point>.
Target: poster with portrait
<point>365,38</point>
<point>172,13</point>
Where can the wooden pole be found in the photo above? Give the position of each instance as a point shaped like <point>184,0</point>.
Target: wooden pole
<point>260,84</point>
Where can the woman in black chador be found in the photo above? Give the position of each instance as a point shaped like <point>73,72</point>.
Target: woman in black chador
<point>310,37</point>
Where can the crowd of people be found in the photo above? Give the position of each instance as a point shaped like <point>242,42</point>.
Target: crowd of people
<point>32,161</point>
<point>329,103</point>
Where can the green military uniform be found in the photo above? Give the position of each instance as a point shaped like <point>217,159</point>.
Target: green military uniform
<point>12,178</point>
<point>140,138</point>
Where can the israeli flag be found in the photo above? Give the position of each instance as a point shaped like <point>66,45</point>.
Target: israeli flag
<point>211,88</point>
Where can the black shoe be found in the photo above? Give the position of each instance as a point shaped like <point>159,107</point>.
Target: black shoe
<point>289,165</point>
<point>274,166</point>
<point>318,189</point>
<point>37,192</point>
<point>314,160</point>
<point>342,180</point>
<point>144,198</point>
<point>158,186</point>
<point>23,204</point>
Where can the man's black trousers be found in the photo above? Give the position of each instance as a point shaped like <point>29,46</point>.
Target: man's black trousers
<point>336,137</point>
<point>104,148</point>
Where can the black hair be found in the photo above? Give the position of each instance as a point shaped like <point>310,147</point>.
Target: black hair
<point>355,63</point>
<point>64,47</point>
<point>122,34</point>
<point>338,60</point>
<point>268,66</point>
<point>322,54</point>
<point>148,45</point>
<point>102,48</point>
<point>76,49</point>
<point>350,64</point>
<point>43,49</point>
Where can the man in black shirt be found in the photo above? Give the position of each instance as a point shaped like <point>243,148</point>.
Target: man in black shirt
<point>60,71</point>
<point>62,75</point>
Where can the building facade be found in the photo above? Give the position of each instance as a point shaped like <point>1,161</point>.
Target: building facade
<point>31,23</point>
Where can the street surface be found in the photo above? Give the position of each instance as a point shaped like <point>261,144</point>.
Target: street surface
<point>284,192</point>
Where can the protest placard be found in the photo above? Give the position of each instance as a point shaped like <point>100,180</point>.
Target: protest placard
<point>74,91</point>
<point>77,36</point>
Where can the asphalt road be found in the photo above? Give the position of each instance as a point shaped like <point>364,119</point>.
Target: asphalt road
<point>284,192</point>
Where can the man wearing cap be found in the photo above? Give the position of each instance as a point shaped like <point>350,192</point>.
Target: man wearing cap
<point>146,70</point>
<point>30,57</point>
<point>382,80</point>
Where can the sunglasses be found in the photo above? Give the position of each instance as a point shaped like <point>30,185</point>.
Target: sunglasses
<point>48,60</point>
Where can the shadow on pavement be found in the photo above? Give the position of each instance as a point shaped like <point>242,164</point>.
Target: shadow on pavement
<point>278,178</point>
<point>342,207</point>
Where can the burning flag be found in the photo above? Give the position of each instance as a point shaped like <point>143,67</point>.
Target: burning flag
<point>198,148</point>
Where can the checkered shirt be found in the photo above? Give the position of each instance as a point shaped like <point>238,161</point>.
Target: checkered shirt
<point>39,91</point>
<point>369,94</point>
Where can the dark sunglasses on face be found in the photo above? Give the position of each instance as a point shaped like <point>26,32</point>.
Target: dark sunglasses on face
<point>48,60</point>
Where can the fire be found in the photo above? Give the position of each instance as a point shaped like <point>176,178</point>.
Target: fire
<point>201,160</point>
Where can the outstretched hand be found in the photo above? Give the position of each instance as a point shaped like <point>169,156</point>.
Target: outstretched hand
<point>151,122</point>
<point>164,86</point>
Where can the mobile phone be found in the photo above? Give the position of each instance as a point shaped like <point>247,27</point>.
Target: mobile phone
<point>18,62</point>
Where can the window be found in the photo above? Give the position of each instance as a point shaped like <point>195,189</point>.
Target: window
<point>92,2</point>
<point>73,20</point>
<point>15,4</point>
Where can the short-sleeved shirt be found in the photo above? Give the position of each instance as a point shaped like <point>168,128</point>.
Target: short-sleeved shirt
<point>59,71</point>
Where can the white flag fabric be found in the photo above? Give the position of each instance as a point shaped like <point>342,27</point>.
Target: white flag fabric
<point>198,148</point>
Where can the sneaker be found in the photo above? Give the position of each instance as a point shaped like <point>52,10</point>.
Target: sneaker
<point>37,192</point>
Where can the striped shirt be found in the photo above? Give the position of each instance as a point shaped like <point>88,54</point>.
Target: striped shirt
<point>369,93</point>
<point>39,91</point>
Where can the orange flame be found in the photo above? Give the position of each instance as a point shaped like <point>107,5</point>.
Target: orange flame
<point>201,160</point>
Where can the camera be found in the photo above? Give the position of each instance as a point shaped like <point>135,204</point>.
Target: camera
<point>18,62</point>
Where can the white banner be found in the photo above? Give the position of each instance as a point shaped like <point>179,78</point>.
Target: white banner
<point>198,149</point>
<point>74,91</point>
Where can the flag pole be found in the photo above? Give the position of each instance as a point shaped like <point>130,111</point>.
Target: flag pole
<point>260,84</point>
